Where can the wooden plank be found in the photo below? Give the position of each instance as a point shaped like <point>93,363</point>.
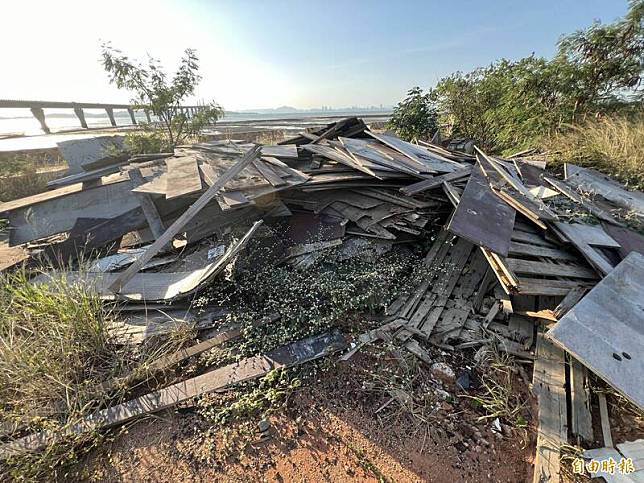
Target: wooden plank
<point>531,238</point>
<point>481,217</point>
<point>587,234</point>
<point>433,162</point>
<point>518,248</point>
<point>581,235</point>
<point>267,172</point>
<point>92,153</point>
<point>536,286</point>
<point>147,205</point>
<point>360,149</point>
<point>517,185</point>
<point>605,422</point>
<point>523,327</point>
<point>187,215</point>
<point>581,422</point>
<point>549,380</point>
<point>290,355</point>
<point>280,151</point>
<point>569,301</point>
<point>59,215</point>
<point>183,176</point>
<point>605,330</point>
<point>434,182</point>
<point>549,269</point>
<point>522,207</point>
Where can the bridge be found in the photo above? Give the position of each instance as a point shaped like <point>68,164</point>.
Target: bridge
<point>37,108</point>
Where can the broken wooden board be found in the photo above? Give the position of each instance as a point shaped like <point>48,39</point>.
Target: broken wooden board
<point>549,269</point>
<point>92,153</point>
<point>291,355</point>
<point>280,151</point>
<point>138,327</point>
<point>268,173</point>
<point>59,215</point>
<point>538,286</point>
<point>28,201</point>
<point>153,286</point>
<point>585,238</point>
<point>531,206</point>
<point>588,205</point>
<point>187,215</point>
<point>605,330</point>
<point>581,422</point>
<point>432,162</point>
<point>435,182</point>
<point>549,385</point>
<point>182,177</point>
<point>589,180</point>
<point>481,217</point>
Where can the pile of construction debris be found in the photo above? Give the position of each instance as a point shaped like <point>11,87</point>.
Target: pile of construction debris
<point>509,265</point>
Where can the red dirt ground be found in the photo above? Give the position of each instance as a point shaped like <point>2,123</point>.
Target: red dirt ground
<point>327,432</point>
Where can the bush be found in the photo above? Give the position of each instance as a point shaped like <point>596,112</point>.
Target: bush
<point>414,117</point>
<point>147,142</point>
<point>511,105</point>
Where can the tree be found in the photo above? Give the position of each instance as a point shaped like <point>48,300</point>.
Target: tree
<point>415,116</point>
<point>607,61</point>
<point>159,95</point>
<point>511,105</point>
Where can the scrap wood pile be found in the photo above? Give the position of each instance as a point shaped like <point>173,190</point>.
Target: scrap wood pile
<point>511,265</point>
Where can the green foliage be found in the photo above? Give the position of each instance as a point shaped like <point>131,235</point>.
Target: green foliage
<point>414,117</point>
<point>508,105</point>
<point>55,355</point>
<point>511,105</point>
<point>161,96</point>
<point>261,397</point>
<point>148,141</point>
<point>606,61</point>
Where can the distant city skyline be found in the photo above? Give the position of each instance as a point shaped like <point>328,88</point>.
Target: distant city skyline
<point>260,55</point>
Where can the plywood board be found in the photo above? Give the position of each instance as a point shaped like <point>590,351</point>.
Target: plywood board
<point>605,330</point>
<point>59,214</point>
<point>481,217</point>
<point>183,176</point>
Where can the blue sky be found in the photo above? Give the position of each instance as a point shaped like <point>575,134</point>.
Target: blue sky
<point>260,54</point>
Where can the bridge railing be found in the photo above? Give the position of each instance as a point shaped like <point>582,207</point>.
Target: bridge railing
<point>37,108</point>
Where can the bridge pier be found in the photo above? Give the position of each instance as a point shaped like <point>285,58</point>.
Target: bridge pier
<point>147,115</point>
<point>40,115</point>
<point>110,114</point>
<point>81,116</point>
<point>131,113</point>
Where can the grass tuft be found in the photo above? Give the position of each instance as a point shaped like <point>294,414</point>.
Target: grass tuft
<point>610,144</point>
